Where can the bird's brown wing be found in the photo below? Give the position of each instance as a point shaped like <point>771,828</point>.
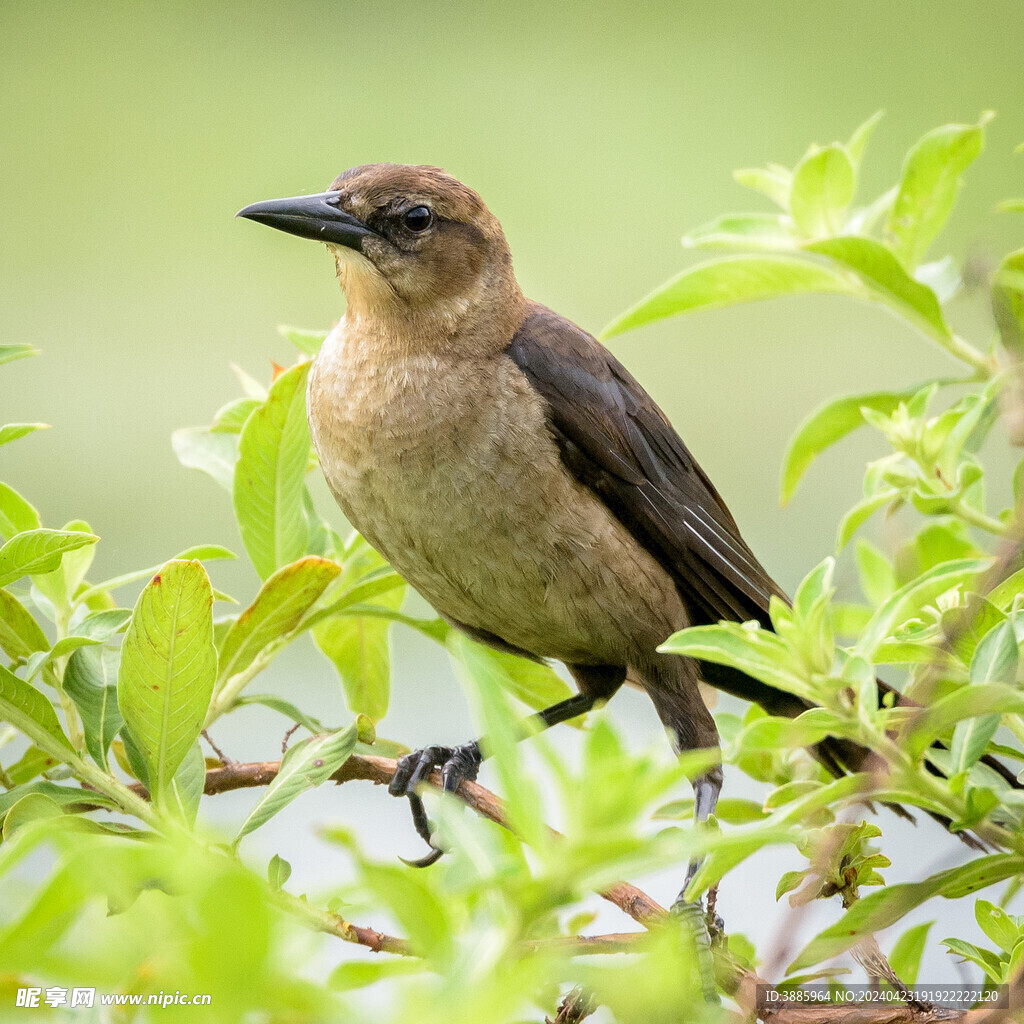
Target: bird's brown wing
<point>617,442</point>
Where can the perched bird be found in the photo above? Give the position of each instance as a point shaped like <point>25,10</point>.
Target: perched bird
<point>513,471</point>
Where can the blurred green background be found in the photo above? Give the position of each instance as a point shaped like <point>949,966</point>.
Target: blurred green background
<point>598,133</point>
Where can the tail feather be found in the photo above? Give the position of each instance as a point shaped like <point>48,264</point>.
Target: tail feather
<point>838,755</point>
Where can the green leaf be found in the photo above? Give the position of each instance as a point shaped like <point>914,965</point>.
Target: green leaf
<point>929,185</point>
<point>278,872</point>
<point>90,680</point>
<point>360,649</point>
<point>205,553</point>
<point>186,788</point>
<point>768,231</point>
<point>270,475</point>
<point>970,739</point>
<point>861,136</point>
<point>305,341</point>
<point>231,418</point>
<point>38,551</point>
<point>881,909</point>
<point>213,452</point>
<point>358,642</point>
<point>1002,595</point>
<point>30,712</point>
<point>305,766</point>
<point>8,353</point>
<point>32,763</point>
<point>728,281</point>
<point>995,657</point>
<point>284,707</point>
<point>20,634</point>
<point>67,796</point>
<point>61,584</point>
<point>997,925</point>
<point>536,684</point>
<point>16,514</point>
<point>905,958</point>
<point>279,606</point>
<point>861,513</point>
<point>33,807</point>
<point>909,599</point>
<point>884,280</point>
<point>773,181</point>
<point>984,958</point>
<point>355,974</point>
<point>14,431</point>
<point>168,667</point>
<point>960,705</point>
<point>877,578</point>
<point>1008,302</point>
<point>756,652</point>
<point>827,425</point>
<point>822,189</point>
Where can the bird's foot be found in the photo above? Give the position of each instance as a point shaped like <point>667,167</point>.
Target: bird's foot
<point>701,926</point>
<point>457,764</point>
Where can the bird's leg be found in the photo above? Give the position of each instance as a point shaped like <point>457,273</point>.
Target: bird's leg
<point>460,764</point>
<point>705,791</point>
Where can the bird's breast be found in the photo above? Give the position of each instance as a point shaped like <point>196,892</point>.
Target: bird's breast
<point>447,467</point>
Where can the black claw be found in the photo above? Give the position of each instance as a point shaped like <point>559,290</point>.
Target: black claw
<point>436,853</point>
<point>456,764</point>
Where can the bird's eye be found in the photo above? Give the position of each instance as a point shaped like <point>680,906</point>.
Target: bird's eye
<point>419,218</point>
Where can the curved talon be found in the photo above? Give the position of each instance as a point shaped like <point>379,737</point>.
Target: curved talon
<point>456,765</point>
<point>436,853</point>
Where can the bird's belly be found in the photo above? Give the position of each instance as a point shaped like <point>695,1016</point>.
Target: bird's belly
<point>464,493</point>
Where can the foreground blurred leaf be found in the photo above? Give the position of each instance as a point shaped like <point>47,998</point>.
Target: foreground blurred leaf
<point>929,185</point>
<point>306,765</point>
<point>38,551</point>
<point>536,684</point>
<point>269,478</point>
<point>168,667</point>
<point>277,609</point>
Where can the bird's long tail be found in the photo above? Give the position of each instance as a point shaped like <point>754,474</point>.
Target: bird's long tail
<point>841,756</point>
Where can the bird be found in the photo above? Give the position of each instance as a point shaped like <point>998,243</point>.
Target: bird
<point>515,473</point>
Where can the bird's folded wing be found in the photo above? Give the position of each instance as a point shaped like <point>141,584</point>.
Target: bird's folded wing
<point>617,442</point>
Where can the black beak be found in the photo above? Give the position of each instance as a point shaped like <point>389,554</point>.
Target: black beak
<point>318,217</point>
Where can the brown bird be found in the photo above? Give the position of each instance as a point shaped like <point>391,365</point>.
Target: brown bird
<point>513,471</point>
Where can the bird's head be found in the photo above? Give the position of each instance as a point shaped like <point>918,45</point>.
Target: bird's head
<point>409,242</point>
